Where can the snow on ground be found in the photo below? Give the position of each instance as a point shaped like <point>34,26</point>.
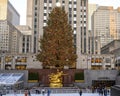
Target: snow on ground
<point>58,94</point>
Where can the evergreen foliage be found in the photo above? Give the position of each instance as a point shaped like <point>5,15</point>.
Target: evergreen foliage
<point>33,76</point>
<point>79,76</point>
<point>57,45</point>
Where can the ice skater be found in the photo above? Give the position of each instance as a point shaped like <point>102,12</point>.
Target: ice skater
<point>80,92</point>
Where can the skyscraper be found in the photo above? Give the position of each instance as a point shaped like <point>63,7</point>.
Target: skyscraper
<point>91,9</point>
<point>106,26</point>
<point>9,35</point>
<point>8,12</point>
<point>38,12</point>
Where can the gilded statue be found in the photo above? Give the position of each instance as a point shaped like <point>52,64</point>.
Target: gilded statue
<point>56,79</point>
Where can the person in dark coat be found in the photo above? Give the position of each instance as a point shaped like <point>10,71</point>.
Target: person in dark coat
<point>43,92</point>
<point>48,92</point>
<point>105,92</point>
<point>0,93</point>
<point>29,94</point>
<point>80,92</point>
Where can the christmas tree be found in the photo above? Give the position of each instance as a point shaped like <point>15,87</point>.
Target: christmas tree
<point>57,45</point>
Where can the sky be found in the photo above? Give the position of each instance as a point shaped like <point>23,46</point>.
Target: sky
<point>20,6</point>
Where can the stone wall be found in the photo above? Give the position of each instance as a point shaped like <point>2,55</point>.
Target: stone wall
<point>68,79</point>
<point>97,75</point>
<point>118,80</point>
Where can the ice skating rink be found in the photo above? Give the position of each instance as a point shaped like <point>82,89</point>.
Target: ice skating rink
<point>58,94</point>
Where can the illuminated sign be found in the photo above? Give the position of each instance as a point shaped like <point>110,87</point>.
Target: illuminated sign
<point>21,59</point>
<point>96,60</point>
<point>8,58</point>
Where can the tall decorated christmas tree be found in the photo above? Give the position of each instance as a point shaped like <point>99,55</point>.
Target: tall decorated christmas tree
<point>57,45</point>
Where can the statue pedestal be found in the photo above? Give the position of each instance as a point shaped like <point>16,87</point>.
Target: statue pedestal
<point>56,85</point>
<point>63,89</point>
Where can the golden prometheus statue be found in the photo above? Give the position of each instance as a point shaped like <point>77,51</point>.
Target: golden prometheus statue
<point>56,79</point>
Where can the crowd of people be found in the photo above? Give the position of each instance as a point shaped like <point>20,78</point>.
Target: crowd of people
<point>43,91</point>
<point>102,90</point>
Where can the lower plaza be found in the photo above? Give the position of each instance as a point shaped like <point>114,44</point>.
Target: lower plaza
<point>43,91</point>
<point>58,94</point>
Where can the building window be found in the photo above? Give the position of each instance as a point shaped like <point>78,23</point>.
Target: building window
<point>44,24</point>
<point>35,13</point>
<point>75,28</point>
<point>70,9</point>
<point>45,17</point>
<point>84,44</point>
<point>63,1</point>
<point>75,2</point>
<point>85,31</point>
<point>81,31</point>
<point>45,14</point>
<point>70,22</point>
<point>81,2</point>
<point>75,22</point>
<point>50,1</point>
<point>35,26</point>
<point>84,2</point>
<point>35,32</point>
<point>70,15</point>
<point>70,2</point>
<point>27,50</point>
<point>27,44</point>
<point>63,7</point>
<point>35,8</point>
<point>75,6</point>
<point>75,9</point>
<point>75,15</point>
<point>107,60</point>
<point>35,2</point>
<point>50,8</point>
<point>23,38</point>
<point>27,38</point>
<point>45,1</point>
<point>23,44</point>
<point>45,8</point>
<point>45,21</point>
<point>23,50</point>
<point>35,20</point>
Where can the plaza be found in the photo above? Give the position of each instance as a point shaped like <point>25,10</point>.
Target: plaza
<point>69,57</point>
